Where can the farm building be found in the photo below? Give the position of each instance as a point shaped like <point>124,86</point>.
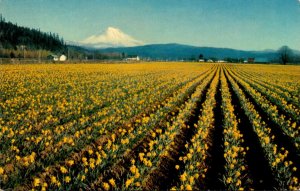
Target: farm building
<point>53,57</point>
<point>132,58</point>
<point>251,60</point>
<point>56,58</point>
<point>62,58</point>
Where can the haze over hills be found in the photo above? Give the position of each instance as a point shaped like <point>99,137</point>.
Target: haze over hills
<point>98,25</point>
<point>175,51</point>
<point>113,40</point>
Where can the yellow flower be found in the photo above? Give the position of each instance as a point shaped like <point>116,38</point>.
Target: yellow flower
<point>133,169</point>
<point>132,161</point>
<point>18,157</point>
<point>105,186</point>
<point>63,170</point>
<point>112,182</point>
<point>238,183</point>
<point>45,185</point>
<point>177,167</point>
<point>149,163</point>
<point>84,160</point>
<point>137,184</point>
<point>183,177</point>
<point>53,179</point>
<point>191,180</point>
<point>295,180</point>
<point>188,187</point>
<point>267,140</point>
<point>70,162</point>
<point>237,174</point>
<point>82,178</point>
<point>295,169</point>
<point>181,187</point>
<point>58,183</point>
<point>1,171</point>
<point>228,180</point>
<point>92,165</point>
<point>67,179</point>
<point>36,182</point>
<point>128,182</point>
<point>90,151</point>
<point>137,174</point>
<point>243,168</point>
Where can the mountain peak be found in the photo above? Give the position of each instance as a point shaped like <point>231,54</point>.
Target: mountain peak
<point>113,29</point>
<point>111,37</point>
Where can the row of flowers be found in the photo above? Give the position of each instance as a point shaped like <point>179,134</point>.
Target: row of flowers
<point>92,128</point>
<point>271,86</point>
<point>234,153</point>
<point>86,164</point>
<point>55,142</point>
<point>277,157</point>
<point>194,169</point>
<point>164,143</point>
<point>291,110</point>
<point>284,79</point>
<point>289,127</point>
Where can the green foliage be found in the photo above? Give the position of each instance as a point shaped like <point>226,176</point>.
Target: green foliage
<point>16,37</point>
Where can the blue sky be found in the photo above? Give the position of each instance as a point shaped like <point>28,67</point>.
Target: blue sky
<point>240,24</point>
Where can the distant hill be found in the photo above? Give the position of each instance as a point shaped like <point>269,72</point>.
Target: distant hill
<point>15,37</point>
<point>178,51</point>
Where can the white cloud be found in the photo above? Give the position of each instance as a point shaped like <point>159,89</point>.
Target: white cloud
<point>112,37</point>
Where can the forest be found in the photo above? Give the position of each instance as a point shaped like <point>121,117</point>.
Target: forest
<point>23,42</point>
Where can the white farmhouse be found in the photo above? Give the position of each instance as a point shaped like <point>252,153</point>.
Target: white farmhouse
<point>57,58</point>
<point>133,58</point>
<point>62,58</point>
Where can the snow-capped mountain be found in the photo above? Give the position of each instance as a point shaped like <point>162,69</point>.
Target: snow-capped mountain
<point>111,37</point>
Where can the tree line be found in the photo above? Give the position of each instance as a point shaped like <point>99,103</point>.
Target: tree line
<point>14,40</point>
<point>284,55</point>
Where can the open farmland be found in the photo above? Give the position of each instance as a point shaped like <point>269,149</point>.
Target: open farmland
<point>149,126</point>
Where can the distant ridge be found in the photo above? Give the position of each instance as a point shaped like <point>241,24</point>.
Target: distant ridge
<point>174,51</point>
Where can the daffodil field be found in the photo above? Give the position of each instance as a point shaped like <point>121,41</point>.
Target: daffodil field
<point>149,126</point>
